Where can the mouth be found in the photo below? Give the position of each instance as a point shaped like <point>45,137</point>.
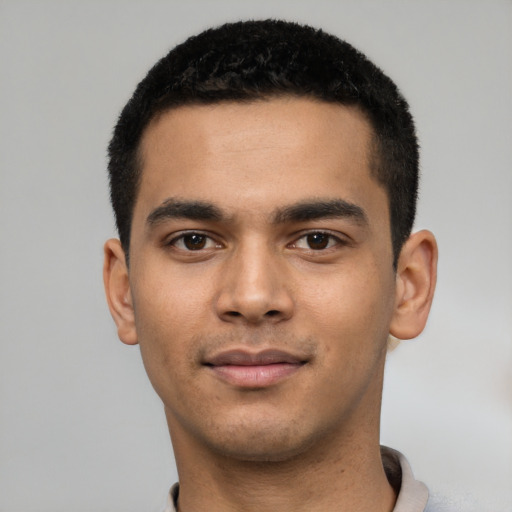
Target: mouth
<point>254,370</point>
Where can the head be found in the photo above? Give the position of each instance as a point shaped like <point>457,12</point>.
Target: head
<point>263,59</point>
<point>264,181</point>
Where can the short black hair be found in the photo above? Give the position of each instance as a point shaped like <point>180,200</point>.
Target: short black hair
<point>251,60</point>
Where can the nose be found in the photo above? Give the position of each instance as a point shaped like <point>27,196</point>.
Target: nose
<point>254,287</point>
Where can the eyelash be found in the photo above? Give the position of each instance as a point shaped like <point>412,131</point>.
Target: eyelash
<point>330,239</point>
<point>183,236</point>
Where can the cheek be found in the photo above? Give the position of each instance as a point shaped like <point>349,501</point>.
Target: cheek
<point>169,301</point>
<point>352,307</point>
<point>170,311</point>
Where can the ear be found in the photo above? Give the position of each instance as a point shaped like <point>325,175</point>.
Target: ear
<point>117,290</point>
<point>415,284</point>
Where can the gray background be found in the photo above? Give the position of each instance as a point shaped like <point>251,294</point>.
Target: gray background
<point>80,427</point>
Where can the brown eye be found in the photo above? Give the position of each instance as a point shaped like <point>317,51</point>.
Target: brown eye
<point>194,242</point>
<point>318,241</point>
<point>189,242</point>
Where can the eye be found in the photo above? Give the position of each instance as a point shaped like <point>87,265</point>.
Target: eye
<point>194,242</point>
<point>317,241</point>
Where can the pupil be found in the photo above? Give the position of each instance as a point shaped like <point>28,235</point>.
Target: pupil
<point>194,242</point>
<point>318,241</point>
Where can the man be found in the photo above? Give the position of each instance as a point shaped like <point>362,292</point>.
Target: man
<point>264,179</point>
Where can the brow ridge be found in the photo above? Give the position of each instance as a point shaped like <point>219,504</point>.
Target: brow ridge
<point>184,209</point>
<point>315,209</point>
<point>303,211</point>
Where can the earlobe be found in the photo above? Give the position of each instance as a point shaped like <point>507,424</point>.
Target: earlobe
<point>118,292</point>
<point>415,284</point>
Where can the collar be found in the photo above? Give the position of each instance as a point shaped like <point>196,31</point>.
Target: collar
<point>412,495</point>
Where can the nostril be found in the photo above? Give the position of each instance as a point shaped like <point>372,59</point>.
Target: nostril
<point>233,313</point>
<point>272,312</point>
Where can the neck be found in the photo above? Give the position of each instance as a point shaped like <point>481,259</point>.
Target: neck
<point>338,481</point>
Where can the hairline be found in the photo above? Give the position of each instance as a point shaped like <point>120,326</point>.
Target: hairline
<point>374,150</point>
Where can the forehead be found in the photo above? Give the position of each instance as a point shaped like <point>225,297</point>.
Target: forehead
<point>254,155</point>
<point>243,123</point>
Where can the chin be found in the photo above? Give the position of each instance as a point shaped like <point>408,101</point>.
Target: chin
<point>261,444</point>
<point>262,453</point>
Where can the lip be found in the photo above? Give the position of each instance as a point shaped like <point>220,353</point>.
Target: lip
<point>254,370</point>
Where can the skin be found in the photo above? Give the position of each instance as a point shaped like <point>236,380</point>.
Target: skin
<point>256,270</point>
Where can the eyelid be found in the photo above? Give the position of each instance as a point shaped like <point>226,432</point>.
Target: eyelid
<point>340,239</point>
<point>180,235</point>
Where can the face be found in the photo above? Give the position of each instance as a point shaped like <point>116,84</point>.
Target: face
<point>261,275</point>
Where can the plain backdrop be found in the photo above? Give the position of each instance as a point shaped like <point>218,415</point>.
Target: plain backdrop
<point>80,427</point>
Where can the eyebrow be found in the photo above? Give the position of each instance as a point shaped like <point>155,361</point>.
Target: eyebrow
<point>303,211</point>
<point>179,209</point>
<point>321,209</point>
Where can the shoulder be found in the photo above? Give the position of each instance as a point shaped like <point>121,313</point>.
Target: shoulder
<point>412,494</point>
<point>172,498</point>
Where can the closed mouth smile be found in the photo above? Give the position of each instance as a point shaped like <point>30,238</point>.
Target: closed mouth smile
<point>246,369</point>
